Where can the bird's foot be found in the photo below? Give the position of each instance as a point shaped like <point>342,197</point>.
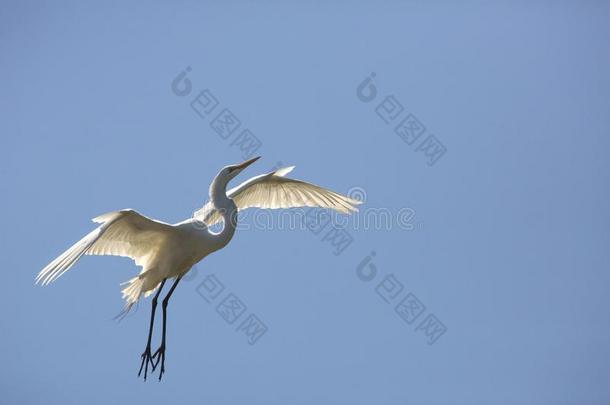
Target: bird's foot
<point>160,358</point>
<point>147,358</point>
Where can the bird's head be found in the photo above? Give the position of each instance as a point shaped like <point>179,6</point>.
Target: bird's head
<point>229,172</point>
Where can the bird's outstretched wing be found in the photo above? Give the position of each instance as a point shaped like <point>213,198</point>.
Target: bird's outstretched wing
<point>121,233</point>
<point>274,190</point>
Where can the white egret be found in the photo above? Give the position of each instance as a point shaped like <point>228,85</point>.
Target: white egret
<point>167,251</point>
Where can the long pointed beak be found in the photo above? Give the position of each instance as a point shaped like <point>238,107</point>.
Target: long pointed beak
<point>247,163</point>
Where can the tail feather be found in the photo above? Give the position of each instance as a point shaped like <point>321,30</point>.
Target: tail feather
<point>133,291</point>
<point>131,295</point>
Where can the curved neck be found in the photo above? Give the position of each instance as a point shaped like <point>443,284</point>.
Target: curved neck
<point>226,207</point>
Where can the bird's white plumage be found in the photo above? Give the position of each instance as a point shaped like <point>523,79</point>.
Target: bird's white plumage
<point>164,250</point>
<point>124,233</point>
<point>274,190</point>
<point>130,234</point>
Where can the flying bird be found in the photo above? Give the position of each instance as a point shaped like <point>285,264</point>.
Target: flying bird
<point>168,251</point>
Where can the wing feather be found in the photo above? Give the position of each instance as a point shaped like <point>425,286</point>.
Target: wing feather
<point>121,233</point>
<point>274,190</point>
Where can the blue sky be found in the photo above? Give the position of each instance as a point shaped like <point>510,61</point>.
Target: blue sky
<point>506,248</point>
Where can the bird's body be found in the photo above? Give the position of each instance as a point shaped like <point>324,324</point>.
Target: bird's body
<point>176,250</point>
<point>166,251</point>
<point>162,250</point>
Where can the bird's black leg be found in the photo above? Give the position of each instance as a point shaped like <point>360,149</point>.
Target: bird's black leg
<point>160,353</point>
<point>147,356</point>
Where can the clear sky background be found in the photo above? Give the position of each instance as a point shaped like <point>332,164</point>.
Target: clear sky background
<point>508,246</point>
